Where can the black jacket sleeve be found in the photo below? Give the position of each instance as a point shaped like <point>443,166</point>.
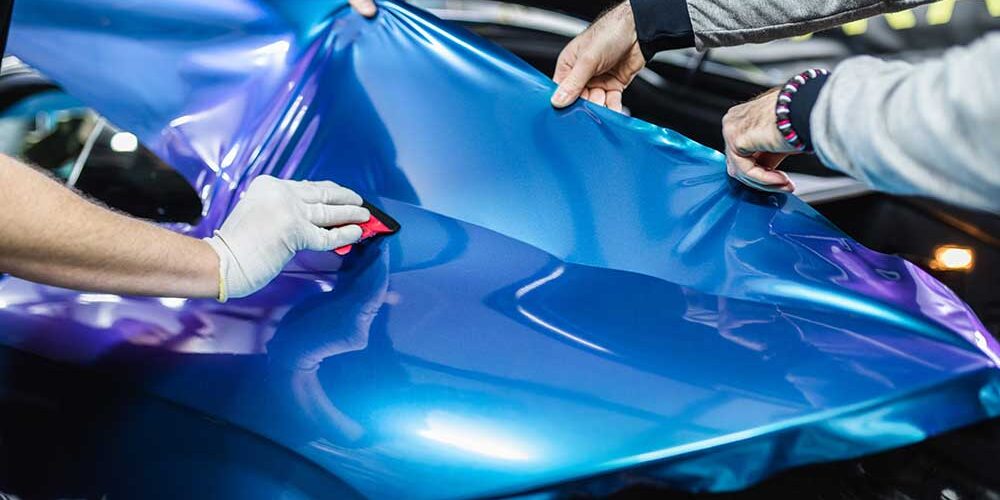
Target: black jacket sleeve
<point>662,25</point>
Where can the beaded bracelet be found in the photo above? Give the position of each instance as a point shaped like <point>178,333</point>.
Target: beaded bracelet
<point>782,108</point>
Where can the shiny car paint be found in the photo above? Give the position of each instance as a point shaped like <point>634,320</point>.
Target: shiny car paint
<point>573,293</point>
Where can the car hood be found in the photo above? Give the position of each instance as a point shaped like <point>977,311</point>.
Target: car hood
<point>573,292</point>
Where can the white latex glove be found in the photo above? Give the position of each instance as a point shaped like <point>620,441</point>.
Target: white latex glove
<point>277,218</point>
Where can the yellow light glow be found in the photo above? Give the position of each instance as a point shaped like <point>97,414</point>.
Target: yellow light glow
<point>953,258</point>
<point>940,12</point>
<point>994,7</point>
<point>802,38</point>
<point>857,27</point>
<point>901,20</point>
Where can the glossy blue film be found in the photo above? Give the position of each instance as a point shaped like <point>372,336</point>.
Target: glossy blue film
<point>573,292</point>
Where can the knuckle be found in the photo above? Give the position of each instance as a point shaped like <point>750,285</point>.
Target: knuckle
<point>334,214</point>
<point>340,193</point>
<point>564,56</point>
<point>326,238</point>
<point>730,137</point>
<point>325,184</point>
<point>313,212</point>
<point>362,213</point>
<point>263,181</point>
<point>729,118</point>
<point>351,197</point>
<point>265,188</point>
<point>727,132</point>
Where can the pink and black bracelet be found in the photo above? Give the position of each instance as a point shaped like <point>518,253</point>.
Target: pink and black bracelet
<point>783,108</point>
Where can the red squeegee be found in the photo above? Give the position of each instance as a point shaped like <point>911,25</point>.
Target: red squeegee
<point>378,225</point>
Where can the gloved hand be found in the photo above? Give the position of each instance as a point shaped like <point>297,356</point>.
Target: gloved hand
<point>277,218</point>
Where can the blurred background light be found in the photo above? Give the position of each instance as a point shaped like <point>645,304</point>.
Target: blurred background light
<point>953,258</point>
<point>173,302</point>
<point>124,142</point>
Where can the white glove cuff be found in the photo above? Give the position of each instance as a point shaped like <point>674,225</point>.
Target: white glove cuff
<point>229,276</point>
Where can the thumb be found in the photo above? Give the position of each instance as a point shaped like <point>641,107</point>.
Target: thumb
<point>574,83</point>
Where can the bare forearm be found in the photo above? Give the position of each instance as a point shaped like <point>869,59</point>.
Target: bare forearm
<point>51,235</point>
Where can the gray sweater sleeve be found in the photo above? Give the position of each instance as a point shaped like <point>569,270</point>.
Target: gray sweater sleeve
<point>719,23</point>
<point>929,129</point>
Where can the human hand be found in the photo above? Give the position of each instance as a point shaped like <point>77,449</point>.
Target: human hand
<point>600,62</point>
<point>364,7</point>
<point>274,220</point>
<point>754,145</point>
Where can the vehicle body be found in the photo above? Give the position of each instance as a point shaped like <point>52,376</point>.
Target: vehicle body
<point>689,92</point>
<point>577,301</point>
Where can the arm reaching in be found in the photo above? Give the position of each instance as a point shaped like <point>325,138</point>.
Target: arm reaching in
<point>603,60</point>
<point>927,129</point>
<point>724,23</point>
<point>51,235</point>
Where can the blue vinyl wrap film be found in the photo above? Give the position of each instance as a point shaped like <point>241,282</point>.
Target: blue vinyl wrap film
<point>573,293</point>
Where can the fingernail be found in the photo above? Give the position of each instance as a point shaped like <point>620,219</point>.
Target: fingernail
<point>561,98</point>
<point>353,232</point>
